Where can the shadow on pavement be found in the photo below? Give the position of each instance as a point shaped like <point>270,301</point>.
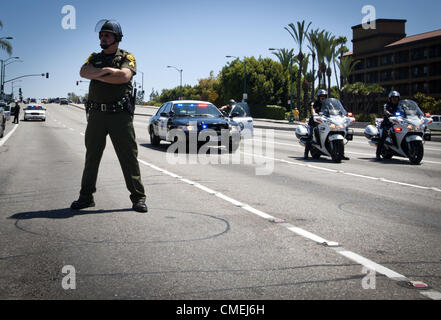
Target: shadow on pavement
<point>61,213</point>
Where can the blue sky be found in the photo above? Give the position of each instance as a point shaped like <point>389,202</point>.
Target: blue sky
<point>194,35</point>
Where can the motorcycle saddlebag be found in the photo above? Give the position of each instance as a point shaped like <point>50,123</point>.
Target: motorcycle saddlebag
<point>301,131</point>
<point>371,132</point>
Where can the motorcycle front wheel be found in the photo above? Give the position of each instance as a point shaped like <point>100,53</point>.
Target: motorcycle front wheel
<point>337,150</point>
<point>416,152</point>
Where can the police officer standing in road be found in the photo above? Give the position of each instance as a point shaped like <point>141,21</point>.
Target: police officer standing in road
<point>110,110</point>
<point>16,112</point>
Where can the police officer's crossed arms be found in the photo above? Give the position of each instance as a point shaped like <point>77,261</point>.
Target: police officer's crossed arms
<point>110,111</point>
<point>389,110</point>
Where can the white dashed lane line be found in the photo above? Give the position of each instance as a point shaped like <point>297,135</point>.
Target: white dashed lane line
<point>431,294</point>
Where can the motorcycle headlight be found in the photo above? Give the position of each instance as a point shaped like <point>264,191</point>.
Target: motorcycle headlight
<point>234,128</point>
<point>334,126</point>
<point>411,127</point>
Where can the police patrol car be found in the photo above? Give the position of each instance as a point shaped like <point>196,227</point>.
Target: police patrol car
<point>192,119</point>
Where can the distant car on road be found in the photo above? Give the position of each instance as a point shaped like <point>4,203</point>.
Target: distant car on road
<point>436,124</point>
<point>193,117</point>
<point>34,112</point>
<point>64,101</point>
<point>43,100</point>
<point>2,122</point>
<point>6,110</point>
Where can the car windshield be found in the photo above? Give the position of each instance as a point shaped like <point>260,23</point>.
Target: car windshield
<point>409,108</point>
<point>241,109</point>
<point>195,110</point>
<point>34,108</point>
<point>333,107</point>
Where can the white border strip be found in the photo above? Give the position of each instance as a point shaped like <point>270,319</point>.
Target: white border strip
<point>5,138</point>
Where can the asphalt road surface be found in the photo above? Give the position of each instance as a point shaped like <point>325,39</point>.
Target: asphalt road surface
<point>261,224</point>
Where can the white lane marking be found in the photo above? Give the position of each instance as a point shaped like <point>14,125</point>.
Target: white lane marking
<point>432,294</point>
<point>5,138</point>
<point>345,173</point>
<point>371,265</point>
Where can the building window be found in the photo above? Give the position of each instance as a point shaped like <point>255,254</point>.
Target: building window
<point>419,71</point>
<point>418,54</point>
<point>386,75</point>
<point>435,86</point>
<point>420,87</point>
<point>372,77</point>
<point>403,89</point>
<point>387,60</point>
<point>372,62</point>
<point>387,90</point>
<point>360,65</point>
<point>435,69</point>
<point>435,51</point>
<point>359,77</point>
<point>402,73</point>
<point>402,57</point>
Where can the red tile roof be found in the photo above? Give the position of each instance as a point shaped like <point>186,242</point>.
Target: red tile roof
<point>417,37</point>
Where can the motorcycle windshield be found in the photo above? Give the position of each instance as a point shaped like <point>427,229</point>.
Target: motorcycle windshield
<point>333,107</point>
<point>410,109</point>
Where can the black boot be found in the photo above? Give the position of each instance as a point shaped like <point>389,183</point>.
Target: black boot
<point>82,203</point>
<point>140,206</point>
<point>307,148</point>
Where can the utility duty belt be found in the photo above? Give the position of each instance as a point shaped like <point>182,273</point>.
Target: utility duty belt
<point>119,106</point>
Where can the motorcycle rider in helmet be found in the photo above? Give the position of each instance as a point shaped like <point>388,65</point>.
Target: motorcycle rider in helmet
<point>322,95</point>
<point>389,110</point>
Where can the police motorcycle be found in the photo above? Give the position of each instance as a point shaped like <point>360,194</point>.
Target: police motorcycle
<point>406,136</point>
<point>332,131</point>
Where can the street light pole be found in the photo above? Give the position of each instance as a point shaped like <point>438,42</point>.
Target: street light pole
<point>180,72</point>
<point>2,76</point>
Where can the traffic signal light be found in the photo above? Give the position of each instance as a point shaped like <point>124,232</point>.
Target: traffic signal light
<point>47,75</point>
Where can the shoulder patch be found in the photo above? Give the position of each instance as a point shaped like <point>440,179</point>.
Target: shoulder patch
<point>131,58</point>
<point>90,57</point>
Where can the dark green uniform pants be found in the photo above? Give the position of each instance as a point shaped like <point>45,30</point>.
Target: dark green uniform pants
<point>119,126</point>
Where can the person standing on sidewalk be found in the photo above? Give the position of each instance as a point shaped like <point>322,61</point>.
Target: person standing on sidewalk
<point>110,111</point>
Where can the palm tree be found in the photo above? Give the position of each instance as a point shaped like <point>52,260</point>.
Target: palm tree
<point>330,54</point>
<point>321,45</point>
<point>346,66</point>
<point>340,41</point>
<point>285,57</point>
<point>299,34</point>
<point>5,45</point>
<point>312,39</point>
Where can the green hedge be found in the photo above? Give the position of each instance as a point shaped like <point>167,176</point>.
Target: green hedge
<point>366,117</point>
<point>269,112</point>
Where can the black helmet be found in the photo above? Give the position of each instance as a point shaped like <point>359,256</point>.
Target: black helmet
<point>110,26</point>
<point>322,92</point>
